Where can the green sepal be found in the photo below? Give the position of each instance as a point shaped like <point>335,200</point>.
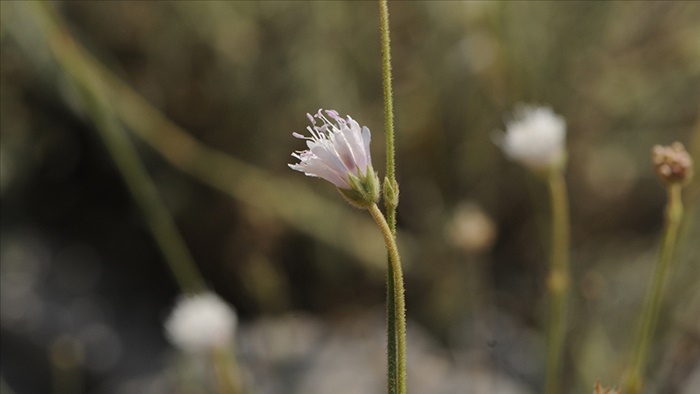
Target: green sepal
<point>364,189</point>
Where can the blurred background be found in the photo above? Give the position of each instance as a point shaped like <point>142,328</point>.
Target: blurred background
<point>208,94</point>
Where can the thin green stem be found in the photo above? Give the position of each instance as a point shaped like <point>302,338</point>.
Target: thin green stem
<point>400,306</point>
<point>146,196</point>
<point>391,353</point>
<point>391,201</point>
<point>674,215</point>
<point>227,377</point>
<point>557,281</point>
<point>388,96</point>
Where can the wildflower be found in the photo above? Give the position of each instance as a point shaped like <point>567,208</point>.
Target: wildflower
<point>339,153</point>
<point>535,137</point>
<point>201,323</point>
<point>673,164</point>
<point>597,389</point>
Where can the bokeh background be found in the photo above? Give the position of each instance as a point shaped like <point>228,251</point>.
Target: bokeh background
<point>209,93</point>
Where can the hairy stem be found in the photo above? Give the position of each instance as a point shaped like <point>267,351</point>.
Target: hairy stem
<point>400,304</point>
<point>390,201</point>
<point>388,95</point>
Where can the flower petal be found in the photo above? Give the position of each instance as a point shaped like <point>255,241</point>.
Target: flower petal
<point>337,148</point>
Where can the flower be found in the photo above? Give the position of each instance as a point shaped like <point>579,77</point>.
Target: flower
<point>672,163</point>
<point>339,153</point>
<point>471,229</point>
<point>535,137</point>
<point>201,323</point>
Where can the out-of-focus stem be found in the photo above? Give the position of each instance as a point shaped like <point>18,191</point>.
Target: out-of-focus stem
<point>400,307</point>
<point>227,377</point>
<point>557,281</point>
<point>67,361</point>
<point>159,220</point>
<point>674,215</point>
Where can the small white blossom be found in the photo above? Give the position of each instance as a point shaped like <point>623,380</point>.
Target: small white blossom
<point>339,153</point>
<point>535,137</point>
<point>201,323</point>
<point>336,150</point>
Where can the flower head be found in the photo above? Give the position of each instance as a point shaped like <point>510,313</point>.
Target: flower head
<point>471,229</point>
<point>338,151</point>
<point>535,137</point>
<point>673,164</point>
<point>201,323</point>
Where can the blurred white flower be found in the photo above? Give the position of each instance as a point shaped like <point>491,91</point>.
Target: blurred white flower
<point>471,229</point>
<point>535,137</point>
<point>201,323</point>
<point>339,153</point>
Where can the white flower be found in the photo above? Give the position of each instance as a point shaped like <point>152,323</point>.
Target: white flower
<point>335,150</point>
<point>471,229</point>
<point>535,137</point>
<point>201,323</point>
<point>339,153</point>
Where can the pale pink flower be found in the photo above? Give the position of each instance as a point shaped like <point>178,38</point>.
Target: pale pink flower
<point>336,151</point>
